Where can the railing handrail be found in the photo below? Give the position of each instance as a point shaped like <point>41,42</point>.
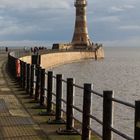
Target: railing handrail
<point>100,95</point>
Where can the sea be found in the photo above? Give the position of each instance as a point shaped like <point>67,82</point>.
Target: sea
<point>119,71</point>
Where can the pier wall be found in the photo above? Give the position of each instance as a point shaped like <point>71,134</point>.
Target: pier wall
<point>53,59</point>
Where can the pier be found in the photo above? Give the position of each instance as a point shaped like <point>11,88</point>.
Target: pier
<point>19,113</point>
<point>31,79</point>
<point>15,121</point>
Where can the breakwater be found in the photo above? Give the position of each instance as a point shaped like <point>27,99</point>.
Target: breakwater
<point>36,85</point>
<point>53,58</point>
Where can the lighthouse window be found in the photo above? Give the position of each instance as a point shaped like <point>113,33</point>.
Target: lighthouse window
<point>80,9</point>
<point>82,39</point>
<point>81,17</point>
<point>82,30</point>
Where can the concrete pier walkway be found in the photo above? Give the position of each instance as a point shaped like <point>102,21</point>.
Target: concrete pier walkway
<point>15,122</point>
<point>19,117</point>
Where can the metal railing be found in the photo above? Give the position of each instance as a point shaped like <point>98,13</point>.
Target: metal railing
<point>33,79</point>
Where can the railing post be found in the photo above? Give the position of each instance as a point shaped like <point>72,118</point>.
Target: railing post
<point>21,73</point>
<point>137,121</point>
<point>42,92</point>
<point>49,110</point>
<point>24,76</point>
<point>38,78</point>
<point>14,68</point>
<point>58,114</point>
<point>49,93</point>
<point>86,133</point>
<point>107,115</point>
<point>18,70</point>
<point>58,99</point>
<point>14,65</point>
<point>32,81</point>
<point>36,59</point>
<point>28,79</point>
<point>69,108</point>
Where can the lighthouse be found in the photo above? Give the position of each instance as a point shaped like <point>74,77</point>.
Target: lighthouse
<point>81,38</point>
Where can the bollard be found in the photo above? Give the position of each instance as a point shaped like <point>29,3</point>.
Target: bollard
<point>86,133</point>
<point>42,92</point>
<point>38,78</point>
<point>137,121</point>
<point>32,81</point>
<point>28,79</point>
<point>107,115</point>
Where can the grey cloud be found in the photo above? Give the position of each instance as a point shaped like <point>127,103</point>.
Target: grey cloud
<point>34,4</point>
<point>54,20</point>
<point>107,19</point>
<point>129,42</point>
<point>130,27</point>
<point>116,9</point>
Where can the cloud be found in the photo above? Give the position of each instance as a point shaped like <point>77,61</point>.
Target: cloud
<point>116,9</point>
<point>26,21</point>
<point>129,42</point>
<point>35,4</point>
<point>32,17</point>
<point>107,19</point>
<point>16,30</point>
<point>129,6</point>
<point>130,27</point>
<point>121,8</point>
<point>21,43</point>
<point>1,17</point>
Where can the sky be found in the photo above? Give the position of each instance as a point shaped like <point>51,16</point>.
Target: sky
<point>44,22</point>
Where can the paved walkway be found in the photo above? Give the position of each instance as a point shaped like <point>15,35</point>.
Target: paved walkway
<point>19,120</point>
<point>15,122</point>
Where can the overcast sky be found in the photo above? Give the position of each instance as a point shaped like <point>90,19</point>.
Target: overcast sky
<point>26,22</point>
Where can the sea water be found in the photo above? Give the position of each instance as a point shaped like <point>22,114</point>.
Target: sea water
<point>118,71</point>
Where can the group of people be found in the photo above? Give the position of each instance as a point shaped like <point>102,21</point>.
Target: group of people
<point>32,49</point>
<point>36,49</point>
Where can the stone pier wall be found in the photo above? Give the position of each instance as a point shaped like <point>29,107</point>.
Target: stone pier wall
<point>58,58</point>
